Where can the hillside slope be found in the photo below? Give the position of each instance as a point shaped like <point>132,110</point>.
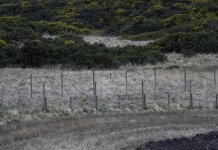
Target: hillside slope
<point>178,26</point>
<point>112,16</point>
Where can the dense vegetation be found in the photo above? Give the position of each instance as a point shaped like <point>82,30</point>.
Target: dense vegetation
<point>75,54</point>
<point>185,26</point>
<point>189,43</point>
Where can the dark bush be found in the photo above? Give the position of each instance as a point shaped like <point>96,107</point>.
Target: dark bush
<point>146,25</point>
<point>188,43</point>
<point>9,55</point>
<point>37,53</point>
<point>34,53</point>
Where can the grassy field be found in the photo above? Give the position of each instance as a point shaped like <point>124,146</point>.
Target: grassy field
<point>15,84</point>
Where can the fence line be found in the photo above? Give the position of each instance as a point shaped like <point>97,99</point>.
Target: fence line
<point>143,96</point>
<point>21,104</point>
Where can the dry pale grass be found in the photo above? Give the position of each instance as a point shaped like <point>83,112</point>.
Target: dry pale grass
<point>15,84</point>
<point>113,41</point>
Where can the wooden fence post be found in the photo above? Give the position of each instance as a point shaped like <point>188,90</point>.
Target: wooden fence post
<point>191,100</point>
<point>2,94</point>
<point>119,102</point>
<point>185,79</point>
<point>45,108</point>
<point>19,105</point>
<point>214,75</point>
<point>93,78</point>
<point>144,102</point>
<point>31,86</point>
<point>95,96</point>
<point>216,106</point>
<point>143,99</point>
<point>43,90</point>
<point>155,80</point>
<point>96,101</point>
<point>190,83</point>
<point>126,77</point>
<point>168,97</point>
<point>45,105</point>
<point>62,85</point>
<point>70,102</point>
<point>142,88</point>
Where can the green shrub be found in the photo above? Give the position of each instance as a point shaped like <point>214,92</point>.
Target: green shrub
<point>37,53</point>
<point>141,26</point>
<point>188,43</point>
<point>146,36</point>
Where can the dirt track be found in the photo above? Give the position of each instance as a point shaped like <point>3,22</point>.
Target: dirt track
<point>106,131</point>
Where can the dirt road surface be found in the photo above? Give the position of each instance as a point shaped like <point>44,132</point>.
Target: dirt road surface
<point>106,131</point>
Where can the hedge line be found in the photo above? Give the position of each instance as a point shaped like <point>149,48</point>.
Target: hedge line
<point>38,53</point>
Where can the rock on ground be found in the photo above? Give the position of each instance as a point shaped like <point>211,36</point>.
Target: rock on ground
<point>199,142</point>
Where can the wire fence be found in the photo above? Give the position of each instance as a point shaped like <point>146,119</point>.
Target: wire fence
<point>159,88</point>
